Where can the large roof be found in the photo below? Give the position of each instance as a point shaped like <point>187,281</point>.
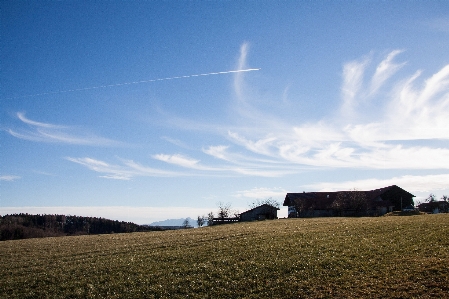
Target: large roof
<point>325,199</point>
<point>261,207</point>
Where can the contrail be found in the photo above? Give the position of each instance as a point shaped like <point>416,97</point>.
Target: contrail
<point>130,83</point>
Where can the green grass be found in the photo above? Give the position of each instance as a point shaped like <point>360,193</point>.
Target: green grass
<point>384,257</point>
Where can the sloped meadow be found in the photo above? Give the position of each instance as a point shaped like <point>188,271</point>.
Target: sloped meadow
<point>384,257</point>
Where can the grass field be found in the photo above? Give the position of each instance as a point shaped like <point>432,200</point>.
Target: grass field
<point>384,257</point>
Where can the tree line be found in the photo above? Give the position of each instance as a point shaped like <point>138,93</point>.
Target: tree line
<point>23,226</point>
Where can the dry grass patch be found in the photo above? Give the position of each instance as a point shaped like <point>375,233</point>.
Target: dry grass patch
<point>392,257</point>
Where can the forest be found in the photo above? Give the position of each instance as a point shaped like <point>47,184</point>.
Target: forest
<point>23,226</point>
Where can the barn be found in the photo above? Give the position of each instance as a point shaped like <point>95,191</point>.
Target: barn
<point>261,212</point>
<point>375,202</point>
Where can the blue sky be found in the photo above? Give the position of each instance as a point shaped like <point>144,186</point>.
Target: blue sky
<point>148,110</point>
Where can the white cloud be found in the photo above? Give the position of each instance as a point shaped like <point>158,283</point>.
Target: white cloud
<point>262,193</point>
<point>247,169</point>
<point>353,73</point>
<point>26,135</point>
<point>178,160</point>
<point>9,178</point>
<point>139,170</point>
<point>439,24</point>
<point>21,116</point>
<point>176,142</point>
<point>391,137</point>
<point>45,132</point>
<point>261,146</point>
<point>358,137</point>
<point>411,183</point>
<point>109,171</point>
<point>126,171</point>
<point>222,152</point>
<point>219,152</point>
<point>384,71</point>
<point>238,77</point>
<point>423,113</point>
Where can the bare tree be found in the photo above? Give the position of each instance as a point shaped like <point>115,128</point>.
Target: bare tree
<point>201,220</point>
<point>300,206</point>
<point>224,210</point>
<point>268,201</point>
<point>338,205</point>
<point>351,201</point>
<point>445,198</point>
<point>210,218</point>
<point>431,198</point>
<point>186,223</point>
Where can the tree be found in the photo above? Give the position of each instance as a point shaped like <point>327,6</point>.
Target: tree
<point>200,221</point>
<point>351,201</point>
<point>186,223</point>
<point>210,218</point>
<point>445,198</point>
<point>268,201</point>
<point>338,205</point>
<point>431,198</point>
<point>224,210</point>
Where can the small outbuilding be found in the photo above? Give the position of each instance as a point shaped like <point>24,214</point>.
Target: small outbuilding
<point>261,212</point>
<point>434,207</point>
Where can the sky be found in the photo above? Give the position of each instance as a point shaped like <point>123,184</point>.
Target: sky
<point>149,110</point>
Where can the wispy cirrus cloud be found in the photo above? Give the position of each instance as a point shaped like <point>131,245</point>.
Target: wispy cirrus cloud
<point>219,152</point>
<point>410,113</point>
<point>407,109</point>
<point>261,193</point>
<point>355,137</point>
<point>439,24</point>
<point>22,117</point>
<point>107,170</point>
<point>46,132</point>
<point>176,142</point>
<point>127,170</point>
<point>179,160</point>
<point>353,73</point>
<point>241,64</point>
<point>261,146</point>
<point>385,69</point>
<point>246,168</point>
<point>9,178</point>
<point>412,183</point>
<point>356,90</point>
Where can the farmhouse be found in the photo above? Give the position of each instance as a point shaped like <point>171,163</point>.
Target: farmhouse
<point>347,203</point>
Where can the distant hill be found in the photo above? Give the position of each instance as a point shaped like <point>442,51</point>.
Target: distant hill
<point>174,222</point>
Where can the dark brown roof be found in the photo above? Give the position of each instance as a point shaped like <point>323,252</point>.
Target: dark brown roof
<point>261,206</point>
<point>324,200</point>
<point>319,200</point>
